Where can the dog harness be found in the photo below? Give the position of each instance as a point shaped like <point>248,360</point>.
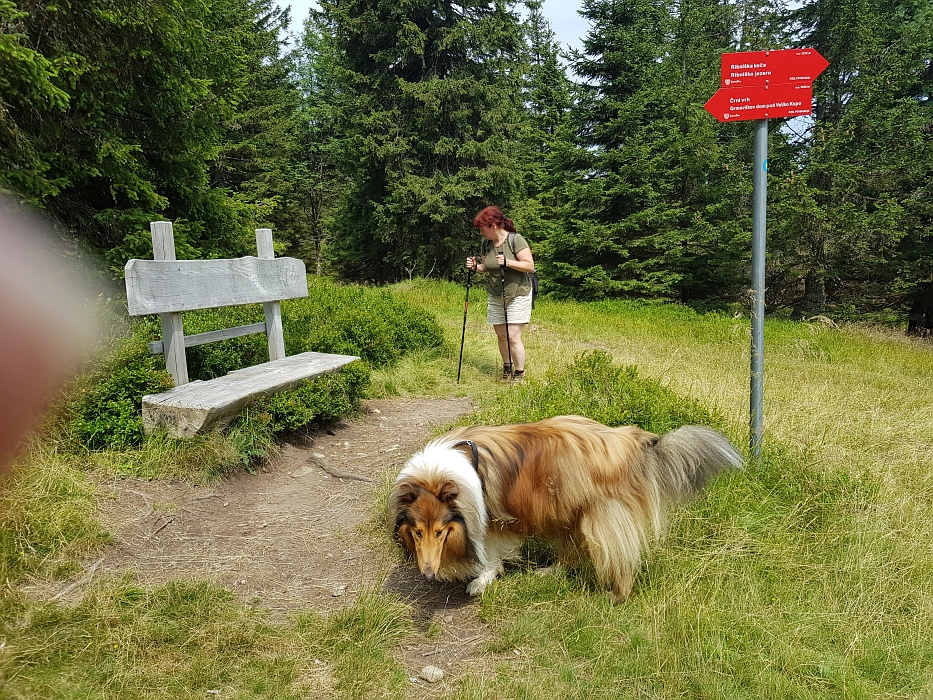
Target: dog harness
<point>473,449</point>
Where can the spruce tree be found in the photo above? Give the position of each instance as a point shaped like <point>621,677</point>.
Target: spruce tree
<point>261,139</point>
<point>126,117</point>
<point>859,201</point>
<point>547,136</point>
<point>651,209</point>
<point>30,83</point>
<point>429,119</point>
<point>319,182</point>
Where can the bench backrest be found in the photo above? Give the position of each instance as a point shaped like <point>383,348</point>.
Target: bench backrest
<point>163,286</point>
<point>167,287</point>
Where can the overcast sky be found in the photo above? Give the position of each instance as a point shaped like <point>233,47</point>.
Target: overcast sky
<point>569,28</point>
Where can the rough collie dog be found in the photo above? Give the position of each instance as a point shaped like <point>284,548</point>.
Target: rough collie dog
<point>464,504</point>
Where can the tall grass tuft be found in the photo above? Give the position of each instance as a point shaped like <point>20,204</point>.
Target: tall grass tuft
<point>780,583</point>
<point>358,642</point>
<point>783,581</point>
<point>193,640</point>
<point>48,517</point>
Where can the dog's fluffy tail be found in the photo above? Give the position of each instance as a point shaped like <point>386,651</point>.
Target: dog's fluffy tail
<point>687,458</point>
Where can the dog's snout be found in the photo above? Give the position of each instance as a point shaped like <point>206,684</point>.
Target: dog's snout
<point>429,573</point>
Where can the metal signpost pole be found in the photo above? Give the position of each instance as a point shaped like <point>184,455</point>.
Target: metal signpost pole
<point>759,229</point>
<point>763,85</point>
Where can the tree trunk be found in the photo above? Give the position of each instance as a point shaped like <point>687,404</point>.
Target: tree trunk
<point>814,292</point>
<point>920,316</point>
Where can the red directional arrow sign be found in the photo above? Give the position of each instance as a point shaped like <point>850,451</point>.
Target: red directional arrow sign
<point>766,84</point>
<point>750,68</point>
<point>761,102</point>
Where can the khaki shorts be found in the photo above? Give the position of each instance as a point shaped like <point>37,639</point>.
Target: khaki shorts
<point>518,309</point>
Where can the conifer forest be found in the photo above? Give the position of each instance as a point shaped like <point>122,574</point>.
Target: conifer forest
<point>370,138</point>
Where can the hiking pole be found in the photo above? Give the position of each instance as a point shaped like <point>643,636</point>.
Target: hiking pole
<point>466,305</point>
<point>505,313</point>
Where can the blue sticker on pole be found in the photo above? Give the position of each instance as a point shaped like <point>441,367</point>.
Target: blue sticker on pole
<point>765,165</point>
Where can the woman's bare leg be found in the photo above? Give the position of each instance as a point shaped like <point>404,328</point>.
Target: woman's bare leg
<point>499,328</point>
<point>517,346</point>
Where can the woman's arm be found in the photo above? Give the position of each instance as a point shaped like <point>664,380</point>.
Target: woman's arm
<point>524,262</point>
<point>475,265</point>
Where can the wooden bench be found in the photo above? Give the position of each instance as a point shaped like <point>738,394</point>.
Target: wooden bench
<point>168,287</point>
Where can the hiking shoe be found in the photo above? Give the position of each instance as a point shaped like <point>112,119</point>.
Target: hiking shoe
<point>506,372</point>
<point>518,376</point>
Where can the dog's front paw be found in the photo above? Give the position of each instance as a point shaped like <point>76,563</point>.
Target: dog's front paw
<point>475,587</point>
<point>478,585</point>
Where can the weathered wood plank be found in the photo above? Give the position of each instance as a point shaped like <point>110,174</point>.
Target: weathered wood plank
<point>156,346</point>
<point>164,286</point>
<point>275,335</point>
<point>198,406</point>
<point>173,339</point>
<point>173,332</point>
<point>163,240</point>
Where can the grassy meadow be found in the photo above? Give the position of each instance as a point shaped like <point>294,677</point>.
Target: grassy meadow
<point>809,575</point>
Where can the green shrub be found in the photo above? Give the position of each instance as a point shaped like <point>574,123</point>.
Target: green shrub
<point>595,387</point>
<point>372,324</point>
<point>323,398</point>
<point>217,359</point>
<point>107,403</point>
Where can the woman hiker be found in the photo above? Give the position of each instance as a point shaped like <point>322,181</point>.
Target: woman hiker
<point>506,255</point>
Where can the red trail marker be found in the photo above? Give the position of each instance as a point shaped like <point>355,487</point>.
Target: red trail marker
<point>750,68</point>
<point>761,102</point>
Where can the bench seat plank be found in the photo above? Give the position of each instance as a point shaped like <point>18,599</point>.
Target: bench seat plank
<point>198,406</point>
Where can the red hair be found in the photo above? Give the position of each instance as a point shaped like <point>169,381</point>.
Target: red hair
<point>493,216</point>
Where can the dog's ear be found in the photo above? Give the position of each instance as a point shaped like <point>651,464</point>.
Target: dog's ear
<point>406,493</point>
<point>448,492</point>
<point>403,535</point>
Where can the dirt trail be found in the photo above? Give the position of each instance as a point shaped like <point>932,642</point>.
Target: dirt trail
<point>294,534</point>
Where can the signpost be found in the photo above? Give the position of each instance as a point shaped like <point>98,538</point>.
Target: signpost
<point>762,85</point>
